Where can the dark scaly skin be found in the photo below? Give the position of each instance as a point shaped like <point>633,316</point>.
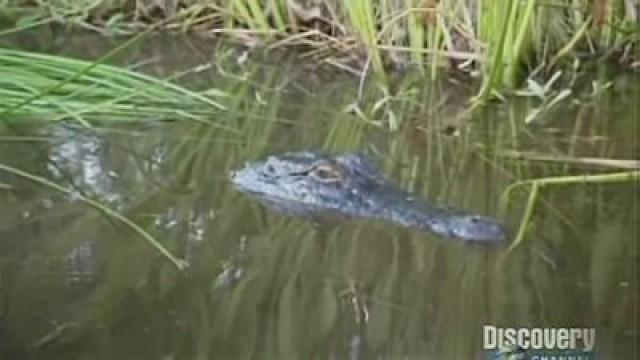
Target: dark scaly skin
<point>314,184</point>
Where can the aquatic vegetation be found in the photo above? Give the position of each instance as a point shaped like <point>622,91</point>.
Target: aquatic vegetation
<point>40,87</point>
<point>535,185</point>
<point>501,40</point>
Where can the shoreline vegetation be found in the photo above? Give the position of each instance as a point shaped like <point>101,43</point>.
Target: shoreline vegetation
<point>500,41</point>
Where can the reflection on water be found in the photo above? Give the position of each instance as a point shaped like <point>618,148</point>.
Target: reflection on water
<point>75,283</point>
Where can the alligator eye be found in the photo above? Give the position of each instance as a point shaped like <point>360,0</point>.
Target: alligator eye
<point>326,172</point>
<point>270,169</point>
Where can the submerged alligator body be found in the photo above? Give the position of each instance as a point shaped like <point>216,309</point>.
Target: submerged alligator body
<point>315,184</point>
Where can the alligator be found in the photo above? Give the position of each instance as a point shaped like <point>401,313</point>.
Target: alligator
<point>316,185</point>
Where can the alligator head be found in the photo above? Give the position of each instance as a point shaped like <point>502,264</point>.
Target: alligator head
<point>314,184</point>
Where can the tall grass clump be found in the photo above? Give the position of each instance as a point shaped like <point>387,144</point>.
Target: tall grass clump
<point>508,31</point>
<point>46,87</point>
<point>362,17</point>
<point>267,17</point>
<point>502,41</point>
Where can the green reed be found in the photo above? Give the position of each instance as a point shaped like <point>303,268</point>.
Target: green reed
<point>50,88</point>
<point>361,15</point>
<point>503,40</point>
<point>535,186</point>
<point>100,207</point>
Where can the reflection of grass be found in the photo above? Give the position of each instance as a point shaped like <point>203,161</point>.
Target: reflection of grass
<point>95,204</point>
<point>536,184</point>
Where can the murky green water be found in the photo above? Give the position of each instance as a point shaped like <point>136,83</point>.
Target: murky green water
<point>77,284</point>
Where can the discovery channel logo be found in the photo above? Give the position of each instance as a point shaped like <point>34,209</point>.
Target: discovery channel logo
<point>539,343</point>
